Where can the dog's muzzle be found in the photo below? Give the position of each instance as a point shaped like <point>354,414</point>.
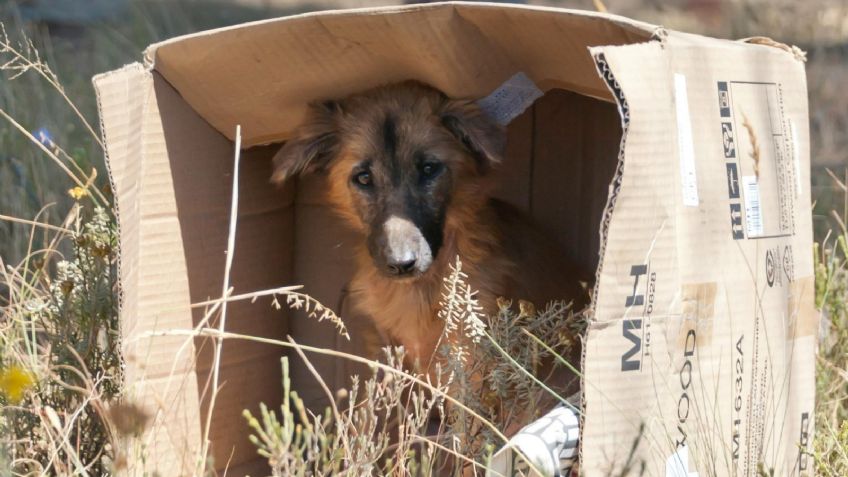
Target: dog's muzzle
<point>407,251</point>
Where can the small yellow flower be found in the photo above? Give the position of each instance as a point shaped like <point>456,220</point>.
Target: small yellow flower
<point>77,192</point>
<point>14,382</point>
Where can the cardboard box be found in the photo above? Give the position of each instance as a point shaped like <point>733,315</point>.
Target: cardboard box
<point>676,165</point>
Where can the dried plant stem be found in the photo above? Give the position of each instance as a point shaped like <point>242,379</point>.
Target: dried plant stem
<point>207,316</point>
<point>53,419</point>
<point>755,144</point>
<point>35,224</point>
<point>530,375</point>
<point>22,64</point>
<point>326,389</point>
<point>599,6</point>
<point>216,303</point>
<point>222,322</point>
<point>843,185</point>
<point>456,454</point>
<point>212,333</point>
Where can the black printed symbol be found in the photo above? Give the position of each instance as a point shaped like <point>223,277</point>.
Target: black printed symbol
<point>788,264</point>
<point>804,441</point>
<point>636,299</point>
<point>629,360</point>
<point>736,221</point>
<point>771,267</point>
<point>723,99</point>
<point>732,180</point>
<point>728,140</point>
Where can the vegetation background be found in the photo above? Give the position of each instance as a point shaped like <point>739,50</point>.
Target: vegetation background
<point>79,38</point>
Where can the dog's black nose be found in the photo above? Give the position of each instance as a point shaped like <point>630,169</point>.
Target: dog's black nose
<point>401,267</point>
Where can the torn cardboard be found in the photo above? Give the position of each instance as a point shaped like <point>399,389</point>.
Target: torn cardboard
<point>696,216</point>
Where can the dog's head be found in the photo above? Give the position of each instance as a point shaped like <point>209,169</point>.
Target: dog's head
<point>397,158</point>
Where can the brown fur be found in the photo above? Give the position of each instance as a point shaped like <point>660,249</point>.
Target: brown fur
<point>502,252</point>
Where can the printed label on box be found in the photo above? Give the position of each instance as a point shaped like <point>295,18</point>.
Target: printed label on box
<point>760,149</point>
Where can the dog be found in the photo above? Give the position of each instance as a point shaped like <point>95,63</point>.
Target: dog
<point>412,171</point>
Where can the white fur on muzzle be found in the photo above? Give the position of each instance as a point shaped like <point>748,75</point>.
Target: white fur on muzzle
<point>405,242</point>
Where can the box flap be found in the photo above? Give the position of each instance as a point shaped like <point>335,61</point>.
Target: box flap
<point>152,268</point>
<point>261,75</point>
<point>701,352</point>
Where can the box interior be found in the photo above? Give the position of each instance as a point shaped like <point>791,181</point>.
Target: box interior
<point>562,153</point>
<point>261,75</point>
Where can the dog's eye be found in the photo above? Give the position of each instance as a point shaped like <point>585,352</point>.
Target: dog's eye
<point>430,170</point>
<point>363,179</point>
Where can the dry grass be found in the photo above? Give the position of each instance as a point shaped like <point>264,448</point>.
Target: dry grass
<point>831,444</point>
<point>59,323</point>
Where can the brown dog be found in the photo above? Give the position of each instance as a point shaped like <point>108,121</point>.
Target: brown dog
<point>411,170</point>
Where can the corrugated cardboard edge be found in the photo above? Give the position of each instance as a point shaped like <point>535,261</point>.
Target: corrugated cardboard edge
<point>798,53</point>
<point>633,25</point>
<point>777,60</point>
<point>615,186</point>
<point>126,95</point>
<point>95,80</point>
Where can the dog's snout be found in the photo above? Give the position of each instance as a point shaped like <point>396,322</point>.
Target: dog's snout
<point>404,267</point>
<point>402,250</point>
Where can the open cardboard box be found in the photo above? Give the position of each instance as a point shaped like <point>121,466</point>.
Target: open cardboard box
<point>675,165</point>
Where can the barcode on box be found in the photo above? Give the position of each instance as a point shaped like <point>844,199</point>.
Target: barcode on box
<point>753,211</point>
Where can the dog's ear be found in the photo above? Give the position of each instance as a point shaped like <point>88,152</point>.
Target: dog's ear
<point>313,145</point>
<point>482,137</point>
